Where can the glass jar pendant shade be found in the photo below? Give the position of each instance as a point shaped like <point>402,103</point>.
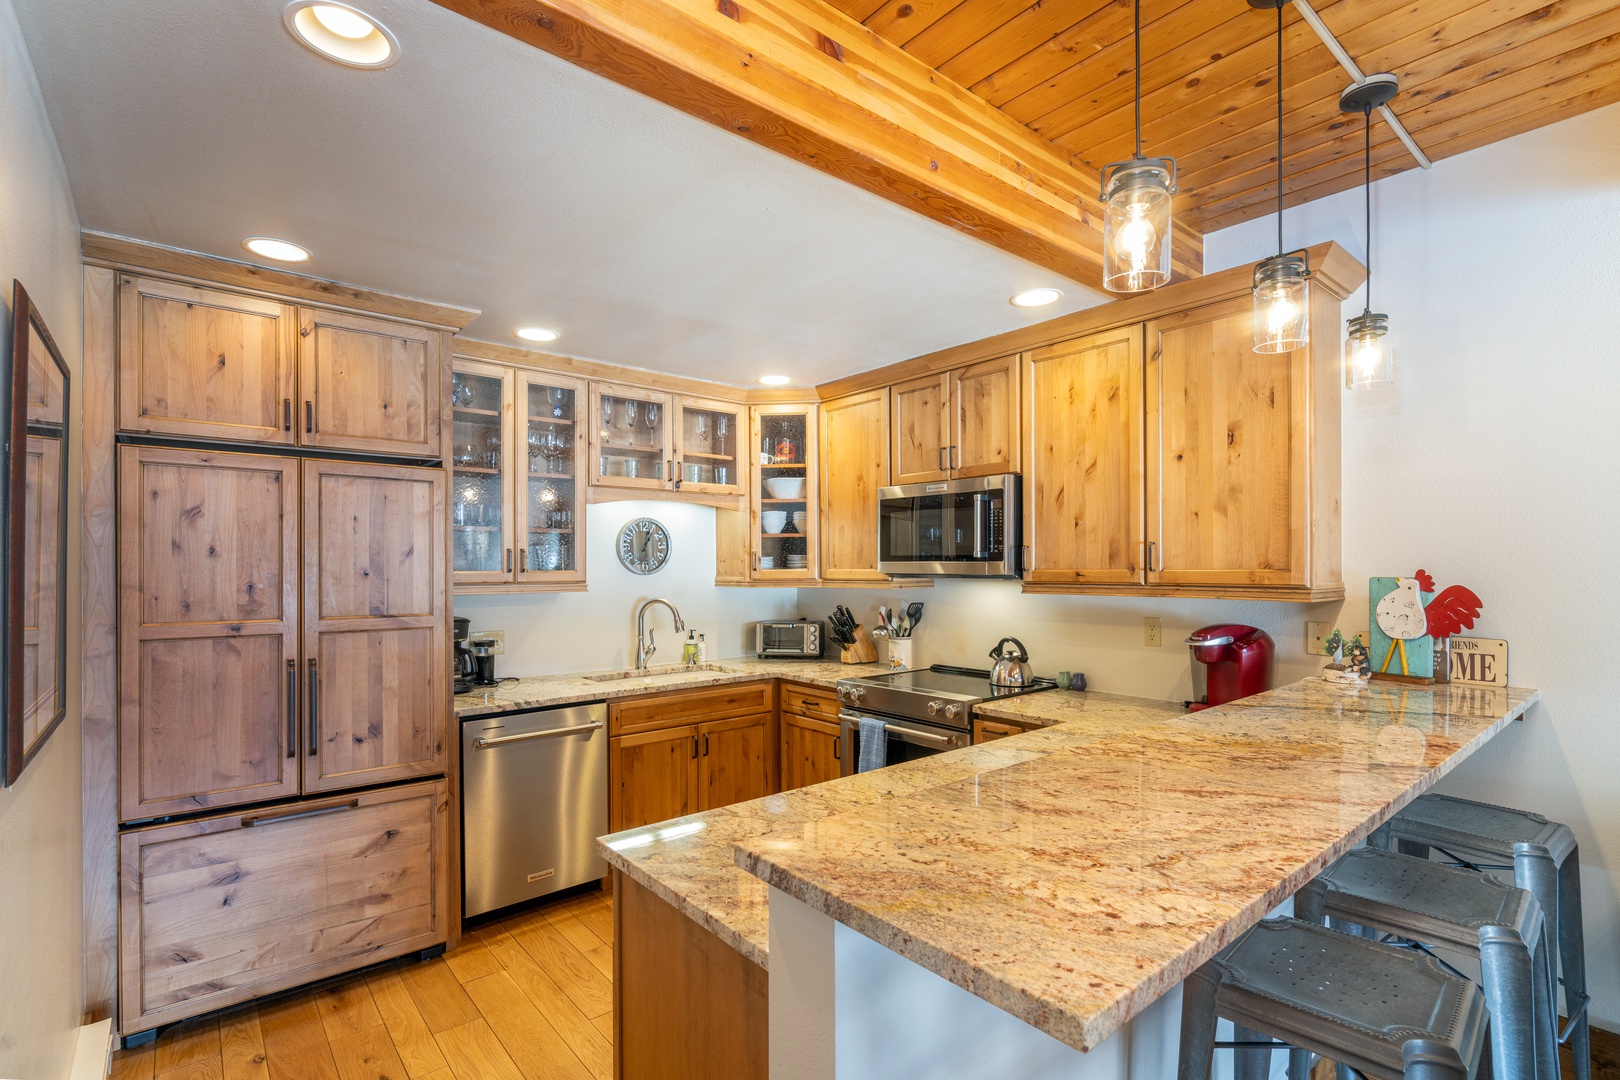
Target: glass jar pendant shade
<point>1282,283</point>
<point>1369,354</point>
<point>1136,208</point>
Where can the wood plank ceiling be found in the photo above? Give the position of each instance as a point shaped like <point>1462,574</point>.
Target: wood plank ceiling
<point>1471,73</point>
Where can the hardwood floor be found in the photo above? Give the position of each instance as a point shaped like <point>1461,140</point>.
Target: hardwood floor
<point>526,998</point>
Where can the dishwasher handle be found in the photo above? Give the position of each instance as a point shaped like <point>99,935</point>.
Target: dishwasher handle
<point>482,743</point>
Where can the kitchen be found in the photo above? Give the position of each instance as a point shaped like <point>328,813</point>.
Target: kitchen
<point>1425,470</point>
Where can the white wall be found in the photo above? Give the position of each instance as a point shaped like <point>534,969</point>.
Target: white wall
<point>41,902</point>
<point>1492,463</point>
<point>559,632</point>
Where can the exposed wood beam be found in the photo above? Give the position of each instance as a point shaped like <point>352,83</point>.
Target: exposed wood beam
<point>802,78</point>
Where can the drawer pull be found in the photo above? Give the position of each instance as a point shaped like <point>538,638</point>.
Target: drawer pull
<point>806,702</point>
<point>482,743</point>
<point>294,815</point>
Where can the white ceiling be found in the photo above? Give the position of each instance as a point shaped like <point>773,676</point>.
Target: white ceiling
<point>479,171</point>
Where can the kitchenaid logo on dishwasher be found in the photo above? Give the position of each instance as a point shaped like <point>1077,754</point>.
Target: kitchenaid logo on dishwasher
<point>542,875</point>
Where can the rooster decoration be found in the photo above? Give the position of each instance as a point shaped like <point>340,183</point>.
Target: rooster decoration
<point>1409,610</point>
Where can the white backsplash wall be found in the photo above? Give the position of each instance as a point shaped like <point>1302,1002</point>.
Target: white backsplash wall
<point>548,633</point>
<point>1098,635</point>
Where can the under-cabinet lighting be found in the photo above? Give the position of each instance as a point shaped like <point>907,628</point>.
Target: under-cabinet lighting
<point>1037,297</point>
<point>341,33</point>
<point>280,250</point>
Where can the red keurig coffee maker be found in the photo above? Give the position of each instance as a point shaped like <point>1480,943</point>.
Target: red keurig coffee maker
<point>1237,661</point>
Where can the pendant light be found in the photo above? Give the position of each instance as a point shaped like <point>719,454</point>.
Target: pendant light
<point>1136,208</point>
<point>1282,286</point>
<point>1369,357</point>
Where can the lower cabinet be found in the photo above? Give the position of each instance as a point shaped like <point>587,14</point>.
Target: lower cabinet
<point>222,909</point>
<point>706,756</point>
<point>810,751</point>
<point>990,730</point>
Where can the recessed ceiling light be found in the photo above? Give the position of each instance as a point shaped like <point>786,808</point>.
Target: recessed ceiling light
<point>1037,297</point>
<point>536,333</point>
<point>342,33</point>
<point>280,250</point>
<point>775,380</point>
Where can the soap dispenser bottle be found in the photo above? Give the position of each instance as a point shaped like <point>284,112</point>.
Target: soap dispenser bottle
<point>703,649</point>
<point>689,655</point>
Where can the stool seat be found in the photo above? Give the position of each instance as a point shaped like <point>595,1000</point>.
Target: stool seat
<point>1388,1012</point>
<point>1479,831</point>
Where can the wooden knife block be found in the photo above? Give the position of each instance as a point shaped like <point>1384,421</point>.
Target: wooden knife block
<point>862,652</point>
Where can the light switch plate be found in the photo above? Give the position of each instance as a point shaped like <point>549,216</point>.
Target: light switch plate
<point>496,638</point>
<point>1316,633</point>
<point>1152,631</point>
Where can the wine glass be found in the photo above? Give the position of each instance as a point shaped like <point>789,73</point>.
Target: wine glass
<point>607,416</point>
<point>700,424</point>
<point>721,422</point>
<point>556,395</point>
<point>631,408</point>
<point>652,421</point>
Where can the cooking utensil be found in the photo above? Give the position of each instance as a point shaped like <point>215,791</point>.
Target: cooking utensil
<point>1012,667</point>
<point>914,612</point>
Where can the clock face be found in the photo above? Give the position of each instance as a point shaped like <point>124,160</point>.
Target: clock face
<point>643,546</point>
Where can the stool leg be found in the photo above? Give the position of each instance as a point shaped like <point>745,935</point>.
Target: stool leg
<point>1379,837</point>
<point>1509,983</point>
<point>1572,956</point>
<point>1198,1024</point>
<point>1250,1064</point>
<point>1424,1059</point>
<point>1547,1067</point>
<point>1299,1064</point>
<point>1310,902</point>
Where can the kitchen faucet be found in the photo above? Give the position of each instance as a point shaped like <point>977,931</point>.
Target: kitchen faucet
<point>644,637</point>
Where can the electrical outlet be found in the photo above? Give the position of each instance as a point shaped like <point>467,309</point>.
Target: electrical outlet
<point>1152,631</point>
<point>496,638</point>
<point>1316,633</point>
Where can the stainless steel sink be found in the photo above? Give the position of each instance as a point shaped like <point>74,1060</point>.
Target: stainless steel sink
<point>657,671</point>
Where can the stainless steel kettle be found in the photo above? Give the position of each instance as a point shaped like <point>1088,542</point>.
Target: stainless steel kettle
<point>1012,667</point>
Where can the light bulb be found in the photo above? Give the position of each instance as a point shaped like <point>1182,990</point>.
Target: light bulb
<point>1136,224</point>
<point>342,21</point>
<point>1369,357</point>
<point>1279,313</point>
<point>1137,238</point>
<point>1281,304</point>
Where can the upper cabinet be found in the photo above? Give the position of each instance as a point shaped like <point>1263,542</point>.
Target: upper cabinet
<point>709,436</point>
<point>371,385</point>
<point>518,452</point>
<point>957,424</point>
<point>203,363</point>
<point>630,444</point>
<point>854,466</point>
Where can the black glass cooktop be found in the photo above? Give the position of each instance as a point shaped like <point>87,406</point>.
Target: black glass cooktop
<point>941,679</point>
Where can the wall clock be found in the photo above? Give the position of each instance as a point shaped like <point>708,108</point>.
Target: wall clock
<point>643,546</point>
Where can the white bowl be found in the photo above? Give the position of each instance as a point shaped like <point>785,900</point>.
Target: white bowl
<point>785,487</point>
<point>767,562</point>
<point>800,518</point>
<point>773,521</point>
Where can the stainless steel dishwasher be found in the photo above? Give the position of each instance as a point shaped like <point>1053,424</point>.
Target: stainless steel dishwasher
<point>534,798</point>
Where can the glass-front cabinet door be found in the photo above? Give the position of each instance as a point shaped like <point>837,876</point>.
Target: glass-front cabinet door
<point>784,499</point>
<point>550,509</point>
<point>709,436</point>
<point>481,497</point>
<point>631,447</point>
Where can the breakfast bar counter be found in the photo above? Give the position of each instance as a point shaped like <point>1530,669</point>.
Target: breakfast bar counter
<point>1072,875</point>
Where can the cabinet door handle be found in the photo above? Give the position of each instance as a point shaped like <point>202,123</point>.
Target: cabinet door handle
<point>314,711</point>
<point>674,476</point>
<point>523,560</point>
<point>954,463</point>
<point>807,703</point>
<point>286,414</point>
<point>694,747</point>
<point>939,459</point>
<point>292,708</point>
<point>1150,546</point>
<point>309,418</point>
<point>837,754</point>
<point>705,744</point>
<point>295,815</point>
<point>508,560</point>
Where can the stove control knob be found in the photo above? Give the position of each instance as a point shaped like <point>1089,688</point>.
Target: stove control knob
<point>843,693</point>
<point>953,711</point>
<point>854,693</point>
<point>934,707</point>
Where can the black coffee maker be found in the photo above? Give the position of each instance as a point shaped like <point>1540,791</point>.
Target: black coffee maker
<point>462,667</point>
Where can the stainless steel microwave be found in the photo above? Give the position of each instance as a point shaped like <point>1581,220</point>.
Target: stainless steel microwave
<point>952,528</point>
<point>802,639</point>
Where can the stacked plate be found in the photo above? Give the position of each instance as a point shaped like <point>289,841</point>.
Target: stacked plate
<point>797,562</point>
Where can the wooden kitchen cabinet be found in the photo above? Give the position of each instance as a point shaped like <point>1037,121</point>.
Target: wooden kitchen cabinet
<point>376,628</point>
<point>205,363</point>
<point>735,761</point>
<point>990,730</point>
<point>630,442</point>
<point>854,466</point>
<point>208,625</point>
<point>223,909</point>
<point>811,751</point>
<point>652,776</point>
<point>370,385</point>
<point>1083,492</point>
<point>783,481</point>
<point>710,439</point>
<point>958,424</point>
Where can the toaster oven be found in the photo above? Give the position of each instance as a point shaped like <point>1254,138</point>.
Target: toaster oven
<point>801,639</point>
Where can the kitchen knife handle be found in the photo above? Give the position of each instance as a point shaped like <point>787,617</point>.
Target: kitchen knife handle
<point>314,711</point>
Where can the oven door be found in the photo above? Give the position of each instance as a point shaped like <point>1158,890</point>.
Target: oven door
<point>954,528</point>
<point>904,740</point>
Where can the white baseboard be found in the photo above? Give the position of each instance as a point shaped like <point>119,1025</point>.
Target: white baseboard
<point>92,1055</point>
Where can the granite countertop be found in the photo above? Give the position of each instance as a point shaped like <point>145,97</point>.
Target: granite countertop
<point>1073,874</point>
<point>544,691</point>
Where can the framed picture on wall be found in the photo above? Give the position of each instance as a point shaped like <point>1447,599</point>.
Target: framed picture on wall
<point>33,543</point>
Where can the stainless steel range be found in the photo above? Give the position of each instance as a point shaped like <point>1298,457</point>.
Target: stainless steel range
<point>921,712</point>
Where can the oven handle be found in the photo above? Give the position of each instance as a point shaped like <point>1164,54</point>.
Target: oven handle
<point>981,510</point>
<point>851,719</point>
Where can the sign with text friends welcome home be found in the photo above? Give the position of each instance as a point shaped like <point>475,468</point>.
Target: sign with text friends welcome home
<point>1481,661</point>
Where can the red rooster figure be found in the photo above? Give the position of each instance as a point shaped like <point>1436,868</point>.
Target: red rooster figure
<point>1404,617</point>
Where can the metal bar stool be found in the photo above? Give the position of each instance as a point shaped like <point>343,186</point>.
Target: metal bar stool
<point>1390,1013</point>
<point>1544,858</point>
<point>1430,904</point>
